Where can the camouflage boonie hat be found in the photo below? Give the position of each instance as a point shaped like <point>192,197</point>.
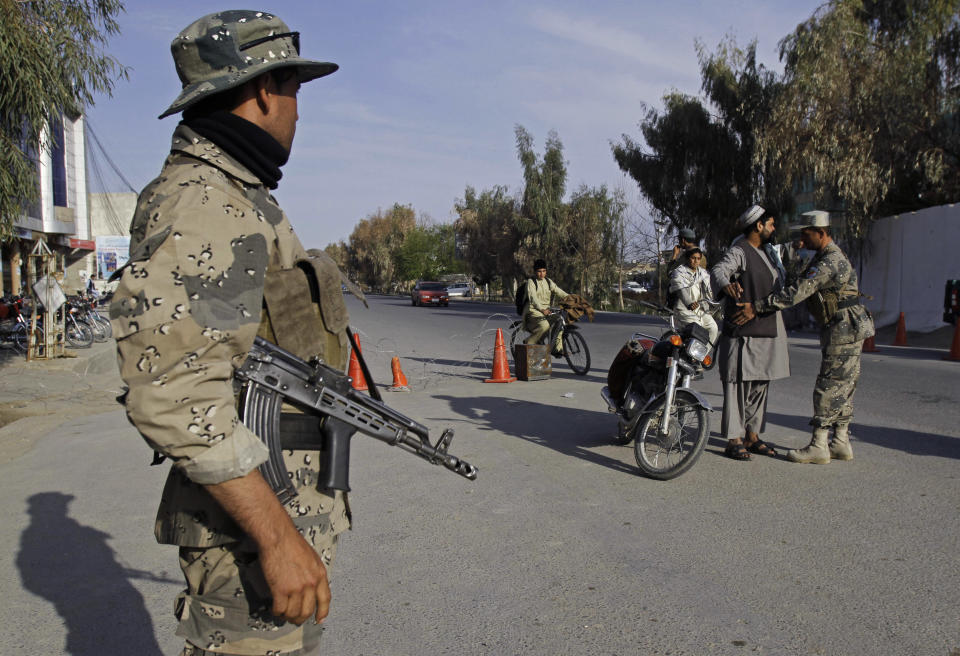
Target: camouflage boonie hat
<point>815,219</point>
<point>224,50</point>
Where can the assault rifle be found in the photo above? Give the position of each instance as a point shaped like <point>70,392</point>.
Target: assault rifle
<point>332,412</point>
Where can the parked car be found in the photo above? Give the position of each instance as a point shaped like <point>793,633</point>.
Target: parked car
<point>631,286</point>
<point>459,289</point>
<point>430,293</point>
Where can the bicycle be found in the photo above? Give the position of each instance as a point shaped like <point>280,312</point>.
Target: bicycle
<point>575,349</point>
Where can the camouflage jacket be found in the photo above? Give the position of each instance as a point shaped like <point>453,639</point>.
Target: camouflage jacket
<point>828,272</point>
<point>205,240</point>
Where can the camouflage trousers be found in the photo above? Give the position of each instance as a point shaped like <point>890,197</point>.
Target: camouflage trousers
<point>226,606</point>
<point>836,383</point>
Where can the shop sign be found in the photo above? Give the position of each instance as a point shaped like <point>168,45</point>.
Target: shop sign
<point>83,244</point>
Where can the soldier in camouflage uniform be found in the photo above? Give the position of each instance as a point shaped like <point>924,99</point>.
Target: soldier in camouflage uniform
<point>214,262</point>
<point>829,285</point>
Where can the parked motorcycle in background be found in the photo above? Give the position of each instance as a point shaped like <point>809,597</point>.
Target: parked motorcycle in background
<point>648,388</point>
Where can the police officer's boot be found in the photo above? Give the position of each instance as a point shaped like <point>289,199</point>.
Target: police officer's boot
<point>840,448</point>
<point>816,452</point>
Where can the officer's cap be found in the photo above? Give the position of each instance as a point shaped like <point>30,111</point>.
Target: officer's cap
<point>751,216</point>
<point>227,49</point>
<point>815,219</point>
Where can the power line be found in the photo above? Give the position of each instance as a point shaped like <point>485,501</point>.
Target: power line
<point>106,156</point>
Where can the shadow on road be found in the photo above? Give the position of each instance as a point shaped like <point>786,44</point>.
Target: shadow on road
<point>481,368</point>
<point>908,441</point>
<point>72,567</point>
<point>570,431</point>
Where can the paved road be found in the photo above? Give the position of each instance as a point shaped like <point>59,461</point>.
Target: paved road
<point>558,548</point>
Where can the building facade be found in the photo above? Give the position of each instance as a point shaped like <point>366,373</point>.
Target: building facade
<point>60,217</point>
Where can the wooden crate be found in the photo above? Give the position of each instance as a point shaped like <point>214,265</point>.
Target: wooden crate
<point>533,361</point>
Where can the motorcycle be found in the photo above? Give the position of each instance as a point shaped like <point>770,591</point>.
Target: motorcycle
<point>648,388</point>
<point>13,327</point>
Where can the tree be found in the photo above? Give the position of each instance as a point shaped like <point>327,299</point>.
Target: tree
<point>428,253</point>
<point>685,173</point>
<point>594,234</point>
<point>545,180</point>
<point>53,63</point>
<point>375,243</point>
<point>340,254</point>
<point>869,107</point>
<point>489,226</point>
<point>700,170</point>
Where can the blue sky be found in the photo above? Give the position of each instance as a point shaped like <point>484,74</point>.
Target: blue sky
<point>428,93</point>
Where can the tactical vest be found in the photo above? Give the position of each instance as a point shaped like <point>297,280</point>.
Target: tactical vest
<point>304,311</point>
<point>757,283</point>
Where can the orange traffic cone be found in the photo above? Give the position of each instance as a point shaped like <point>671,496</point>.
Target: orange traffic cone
<point>358,382</point>
<point>901,338</point>
<point>501,368</point>
<point>954,353</point>
<point>400,383</point>
<point>869,346</point>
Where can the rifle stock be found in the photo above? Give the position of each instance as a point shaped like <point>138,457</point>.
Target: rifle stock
<point>334,411</point>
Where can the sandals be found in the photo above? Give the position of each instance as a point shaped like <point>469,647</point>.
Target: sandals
<point>736,452</point>
<point>760,447</point>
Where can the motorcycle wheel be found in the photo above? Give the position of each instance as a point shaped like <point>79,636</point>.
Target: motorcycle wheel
<point>96,329</point>
<point>576,353</point>
<point>20,338</point>
<point>663,458</point>
<point>78,334</point>
<point>105,323</point>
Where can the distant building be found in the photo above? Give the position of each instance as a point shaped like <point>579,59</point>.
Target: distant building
<point>60,217</point>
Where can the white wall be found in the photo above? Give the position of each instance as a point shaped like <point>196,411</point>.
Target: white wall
<point>908,261</point>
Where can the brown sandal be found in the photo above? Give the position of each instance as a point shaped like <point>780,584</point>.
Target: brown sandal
<point>736,452</point>
<point>761,448</point>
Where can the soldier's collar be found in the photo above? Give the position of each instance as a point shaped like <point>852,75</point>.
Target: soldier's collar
<point>186,140</point>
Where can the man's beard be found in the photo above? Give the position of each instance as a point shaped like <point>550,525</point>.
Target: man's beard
<point>771,239</point>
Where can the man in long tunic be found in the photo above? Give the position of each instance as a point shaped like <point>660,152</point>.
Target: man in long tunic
<point>749,356</point>
<point>829,285</point>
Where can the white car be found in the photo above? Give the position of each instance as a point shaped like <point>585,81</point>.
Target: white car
<point>458,289</point>
<point>631,286</point>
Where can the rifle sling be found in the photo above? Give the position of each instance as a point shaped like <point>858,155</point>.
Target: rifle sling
<point>374,392</point>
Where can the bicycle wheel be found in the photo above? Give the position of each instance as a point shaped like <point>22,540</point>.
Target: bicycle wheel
<point>576,353</point>
<point>78,334</point>
<point>668,456</point>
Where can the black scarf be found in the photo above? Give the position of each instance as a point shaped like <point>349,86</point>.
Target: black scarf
<point>247,143</point>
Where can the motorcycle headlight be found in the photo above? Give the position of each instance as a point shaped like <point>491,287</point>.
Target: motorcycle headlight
<point>697,350</point>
